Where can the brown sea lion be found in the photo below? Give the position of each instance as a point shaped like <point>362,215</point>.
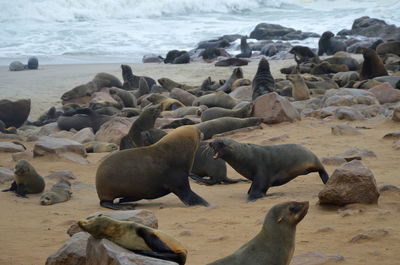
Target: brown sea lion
<point>144,122</point>
<point>350,62</point>
<point>182,112</point>
<point>150,172</point>
<point>300,89</point>
<point>388,47</point>
<point>241,82</point>
<point>237,73</point>
<point>275,243</point>
<point>131,81</point>
<point>225,124</point>
<point>326,68</point>
<point>303,54</point>
<point>232,62</point>
<point>169,84</point>
<point>128,99</point>
<point>217,99</point>
<point>14,113</point>
<point>165,102</point>
<point>135,237</point>
<point>83,118</point>
<point>27,180</point>
<point>329,45</point>
<point>263,82</point>
<point>267,166</point>
<point>372,65</point>
<point>60,192</point>
<point>100,147</point>
<point>216,112</point>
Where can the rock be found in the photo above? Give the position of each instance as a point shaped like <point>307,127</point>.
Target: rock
<point>84,136</point>
<point>6,175</point>
<point>62,134</point>
<point>392,136</point>
<point>355,152</point>
<point>152,58</point>
<point>144,217</point>
<point>396,145</point>
<point>33,63</point>
<point>8,147</point>
<point>275,109</point>
<point>105,252</point>
<point>351,183</point>
<point>371,234</point>
<point>385,93</point>
<point>315,258</point>
<point>348,97</point>
<point>182,96</point>
<point>392,80</point>
<point>349,114</point>
<point>16,66</point>
<point>388,187</point>
<point>62,174</point>
<point>63,148</point>
<point>344,129</point>
<point>242,93</point>
<point>396,114</point>
<point>48,129</point>
<point>73,252</point>
<point>333,160</point>
<point>112,131</point>
<point>27,155</point>
<point>264,31</point>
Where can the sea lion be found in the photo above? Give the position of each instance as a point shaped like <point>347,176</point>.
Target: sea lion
<point>263,82</point>
<point>178,123</point>
<point>216,112</point>
<point>240,82</point>
<point>128,99</point>
<point>329,45</point>
<point>150,172</point>
<point>60,192</point>
<point>372,65</point>
<point>300,89</point>
<point>346,79</point>
<point>182,112</point>
<point>302,69</point>
<point>135,237</point>
<point>48,117</point>
<point>267,166</point>
<point>220,43</point>
<point>100,147</point>
<point>388,47</point>
<point>14,113</point>
<point>173,55</point>
<point>217,99</point>
<point>303,54</point>
<point>326,68</point>
<point>165,102</point>
<point>225,124</point>
<point>350,62</point>
<point>182,59</point>
<point>245,50</point>
<point>237,73</point>
<point>232,62</point>
<point>99,81</point>
<point>144,122</point>
<point>83,118</point>
<point>169,84</point>
<point>130,112</point>
<point>275,243</point>
<point>131,81</point>
<point>27,180</point>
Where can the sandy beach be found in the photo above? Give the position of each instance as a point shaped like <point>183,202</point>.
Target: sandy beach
<point>31,232</point>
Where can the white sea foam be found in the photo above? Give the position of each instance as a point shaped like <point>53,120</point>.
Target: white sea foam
<point>124,30</point>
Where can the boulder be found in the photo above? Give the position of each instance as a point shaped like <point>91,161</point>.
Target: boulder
<point>392,135</point>
<point>6,175</point>
<point>63,148</point>
<point>105,252</point>
<point>265,31</point>
<point>182,96</point>
<point>33,63</point>
<point>27,155</point>
<point>348,97</point>
<point>351,183</point>
<point>73,252</point>
<point>101,97</point>
<point>48,129</point>
<point>152,58</point>
<point>8,147</point>
<point>371,234</point>
<point>84,136</point>
<point>394,81</point>
<point>274,109</point>
<point>316,258</point>
<point>349,114</point>
<point>388,188</point>
<point>16,66</point>
<point>112,131</point>
<point>242,93</point>
<point>385,93</point>
<point>344,129</point>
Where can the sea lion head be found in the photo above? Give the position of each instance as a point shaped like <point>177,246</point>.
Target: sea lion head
<point>85,90</point>
<point>263,65</point>
<point>22,167</point>
<point>48,198</point>
<point>327,35</point>
<point>287,213</point>
<point>100,226</point>
<point>222,147</point>
<point>238,72</point>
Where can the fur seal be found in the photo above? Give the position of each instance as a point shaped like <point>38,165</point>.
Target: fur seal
<point>267,166</point>
<point>100,147</point>
<point>131,81</point>
<point>60,192</point>
<point>27,180</point>
<point>150,172</point>
<point>237,73</point>
<point>48,117</point>
<point>144,122</point>
<point>177,57</point>
<point>372,65</point>
<point>165,102</point>
<point>216,112</point>
<point>303,54</point>
<point>135,237</point>
<point>245,50</point>
<point>329,45</point>
<point>263,82</point>
<point>326,68</point>
<point>128,99</point>
<point>388,47</point>
<point>217,99</point>
<point>232,62</point>
<point>350,62</point>
<point>14,113</point>
<point>275,243</point>
<point>169,84</point>
<point>225,124</point>
<point>178,123</point>
<point>182,112</point>
<point>300,89</point>
<point>83,118</point>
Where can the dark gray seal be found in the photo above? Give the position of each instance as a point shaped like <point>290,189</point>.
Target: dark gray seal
<point>329,45</point>
<point>263,82</point>
<point>131,81</point>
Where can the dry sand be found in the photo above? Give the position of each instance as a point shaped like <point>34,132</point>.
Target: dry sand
<point>30,232</point>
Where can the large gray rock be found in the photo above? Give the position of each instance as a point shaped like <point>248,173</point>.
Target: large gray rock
<point>182,96</point>
<point>351,183</point>
<point>8,147</point>
<point>112,131</point>
<point>348,97</point>
<point>73,252</point>
<point>16,66</point>
<point>143,217</point>
<point>6,175</point>
<point>265,31</point>
<point>84,136</point>
<point>348,114</point>
<point>274,109</point>
<point>385,93</point>
<point>242,93</point>
<point>105,252</point>
<point>63,148</point>
<point>48,129</point>
<point>316,258</point>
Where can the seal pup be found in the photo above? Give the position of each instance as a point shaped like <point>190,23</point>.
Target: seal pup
<point>245,50</point>
<point>303,54</point>
<point>275,243</point>
<point>82,118</point>
<point>131,81</point>
<point>237,73</point>
<point>329,45</point>
<point>263,82</point>
<point>267,166</point>
<point>216,112</point>
<point>60,192</point>
<point>166,103</point>
<point>300,89</point>
<point>99,147</point>
<point>27,180</point>
<point>151,172</point>
<point>372,65</point>
<point>216,99</point>
<point>138,238</point>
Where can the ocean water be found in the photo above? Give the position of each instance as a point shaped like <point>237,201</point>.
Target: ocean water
<point>93,31</point>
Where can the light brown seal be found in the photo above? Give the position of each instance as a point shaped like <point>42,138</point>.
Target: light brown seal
<point>216,112</point>
<point>300,89</point>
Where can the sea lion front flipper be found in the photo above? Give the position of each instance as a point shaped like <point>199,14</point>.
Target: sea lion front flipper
<point>187,196</point>
<point>20,191</point>
<point>258,188</point>
<point>12,188</point>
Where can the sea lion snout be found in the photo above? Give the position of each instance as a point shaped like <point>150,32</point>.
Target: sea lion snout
<point>299,210</point>
<point>217,145</point>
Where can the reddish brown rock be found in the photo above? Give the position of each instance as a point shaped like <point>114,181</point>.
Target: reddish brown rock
<point>385,93</point>
<point>275,109</point>
<point>112,131</point>
<point>73,252</point>
<point>351,183</point>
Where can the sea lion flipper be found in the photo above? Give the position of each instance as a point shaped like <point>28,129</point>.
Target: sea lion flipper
<point>12,188</point>
<point>323,175</point>
<point>201,180</point>
<point>116,206</point>
<point>258,189</point>
<point>188,197</point>
<point>171,256</point>
<point>20,191</point>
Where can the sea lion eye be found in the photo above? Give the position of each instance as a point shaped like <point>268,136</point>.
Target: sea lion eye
<point>293,209</point>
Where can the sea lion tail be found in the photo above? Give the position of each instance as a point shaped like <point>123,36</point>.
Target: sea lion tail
<point>323,175</point>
